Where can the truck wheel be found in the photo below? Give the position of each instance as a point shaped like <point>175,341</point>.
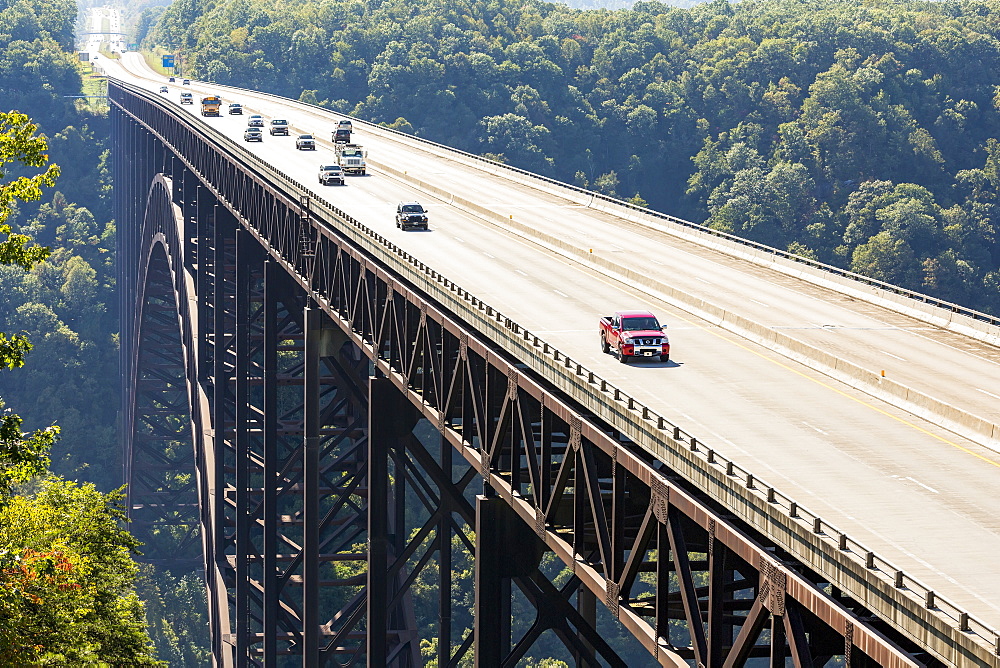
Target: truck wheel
<point>664,358</point>
<point>605,348</point>
<point>623,358</point>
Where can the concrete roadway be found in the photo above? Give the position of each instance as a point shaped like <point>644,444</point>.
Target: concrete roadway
<point>918,495</point>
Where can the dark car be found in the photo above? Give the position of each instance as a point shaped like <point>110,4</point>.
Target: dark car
<point>331,174</point>
<point>411,215</point>
<point>253,134</point>
<point>172,80</point>
<point>305,142</point>
<point>236,108</point>
<point>341,136</point>
<point>279,126</point>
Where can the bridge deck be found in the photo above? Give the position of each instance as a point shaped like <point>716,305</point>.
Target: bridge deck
<point>919,495</point>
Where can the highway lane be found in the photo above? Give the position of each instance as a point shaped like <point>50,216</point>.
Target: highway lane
<point>915,493</point>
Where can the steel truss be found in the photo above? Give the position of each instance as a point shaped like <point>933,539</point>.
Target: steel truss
<point>300,458</point>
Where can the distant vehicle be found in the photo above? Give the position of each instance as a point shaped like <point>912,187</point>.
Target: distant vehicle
<point>351,157</point>
<point>634,334</point>
<point>236,108</point>
<point>305,142</point>
<point>279,126</point>
<point>186,82</point>
<point>341,136</point>
<point>256,121</point>
<point>411,215</point>
<point>253,134</point>
<point>172,80</point>
<point>187,98</point>
<point>164,89</point>
<point>210,105</point>
<point>345,125</point>
<point>331,174</point>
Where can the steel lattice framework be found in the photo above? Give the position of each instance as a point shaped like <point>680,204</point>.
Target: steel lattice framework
<point>332,434</point>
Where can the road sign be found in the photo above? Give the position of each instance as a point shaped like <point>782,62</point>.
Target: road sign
<point>168,60</point>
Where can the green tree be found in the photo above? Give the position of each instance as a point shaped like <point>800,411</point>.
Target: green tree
<point>22,455</point>
<point>67,570</point>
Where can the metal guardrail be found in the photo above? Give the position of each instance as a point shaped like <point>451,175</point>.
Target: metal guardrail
<point>632,416</point>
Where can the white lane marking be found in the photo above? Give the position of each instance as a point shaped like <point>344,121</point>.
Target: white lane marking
<point>815,428</point>
<point>988,393</point>
<point>699,278</point>
<point>617,248</point>
<point>459,240</point>
<point>922,484</point>
<point>658,263</point>
<point>761,303</point>
<point>896,356</point>
<point>518,271</point>
<point>561,294</point>
<point>492,257</point>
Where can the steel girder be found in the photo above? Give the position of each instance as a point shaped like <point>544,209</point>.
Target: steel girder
<point>684,578</point>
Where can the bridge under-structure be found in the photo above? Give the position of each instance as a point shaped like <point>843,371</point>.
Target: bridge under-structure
<point>374,467</point>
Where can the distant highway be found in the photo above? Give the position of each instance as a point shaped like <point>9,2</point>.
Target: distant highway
<point>923,497</point>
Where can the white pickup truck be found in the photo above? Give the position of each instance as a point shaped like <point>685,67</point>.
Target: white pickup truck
<point>351,158</point>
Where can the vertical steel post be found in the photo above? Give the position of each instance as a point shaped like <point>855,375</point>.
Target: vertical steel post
<point>242,437</point>
<point>491,643</point>
<point>380,433</point>
<point>310,480</point>
<point>444,556</point>
<point>270,481</point>
<point>220,379</point>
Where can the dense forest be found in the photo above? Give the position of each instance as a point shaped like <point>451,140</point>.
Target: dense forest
<point>68,577</point>
<point>860,134</point>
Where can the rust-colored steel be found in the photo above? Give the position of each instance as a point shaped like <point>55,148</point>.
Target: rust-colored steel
<point>319,310</point>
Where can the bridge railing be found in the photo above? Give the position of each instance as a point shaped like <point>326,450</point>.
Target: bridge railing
<point>872,580</point>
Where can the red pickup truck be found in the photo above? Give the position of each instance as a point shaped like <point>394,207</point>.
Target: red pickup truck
<point>634,334</point>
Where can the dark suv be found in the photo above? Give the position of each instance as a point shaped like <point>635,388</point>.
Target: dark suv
<point>410,215</point>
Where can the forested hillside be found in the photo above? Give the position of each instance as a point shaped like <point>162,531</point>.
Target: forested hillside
<point>862,134</point>
<point>67,575</point>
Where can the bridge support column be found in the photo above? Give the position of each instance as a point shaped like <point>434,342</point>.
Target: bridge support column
<point>391,421</point>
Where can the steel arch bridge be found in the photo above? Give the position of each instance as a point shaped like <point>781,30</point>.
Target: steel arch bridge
<point>325,425</point>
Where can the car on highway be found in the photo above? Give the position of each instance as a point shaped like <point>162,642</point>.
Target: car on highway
<point>164,89</point>
<point>634,334</point>
<point>186,82</point>
<point>187,98</point>
<point>253,134</point>
<point>279,126</point>
<point>236,108</point>
<point>411,215</point>
<point>345,125</point>
<point>305,143</point>
<point>331,174</point>
<point>172,80</point>
<point>255,121</point>
<point>341,136</point>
